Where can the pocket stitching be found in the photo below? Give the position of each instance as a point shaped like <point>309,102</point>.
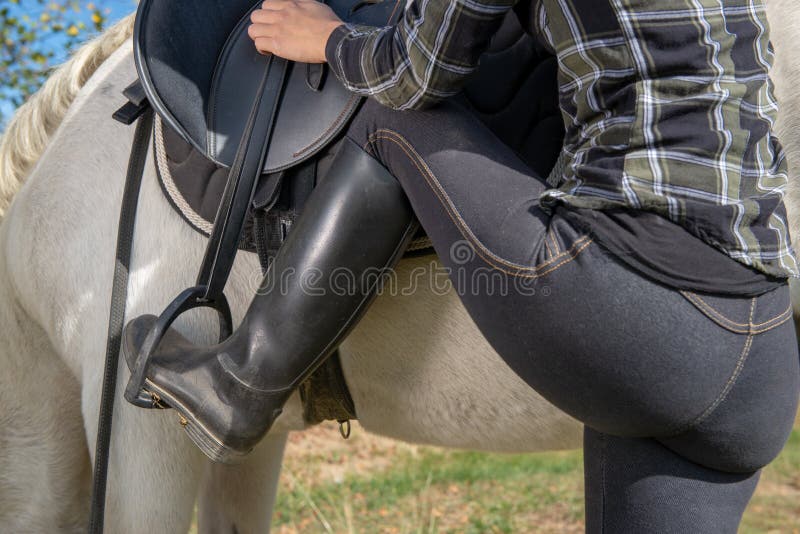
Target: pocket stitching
<point>738,328</point>
<point>728,385</point>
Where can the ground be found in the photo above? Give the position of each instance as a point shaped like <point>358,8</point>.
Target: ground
<point>369,484</point>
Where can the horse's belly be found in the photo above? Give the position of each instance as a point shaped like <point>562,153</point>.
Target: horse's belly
<point>419,370</point>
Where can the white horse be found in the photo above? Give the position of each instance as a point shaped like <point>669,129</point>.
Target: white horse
<point>417,367</point>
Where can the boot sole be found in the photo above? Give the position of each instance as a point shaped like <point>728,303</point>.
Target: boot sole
<point>205,440</point>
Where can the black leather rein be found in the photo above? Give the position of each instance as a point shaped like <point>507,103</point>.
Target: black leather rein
<point>136,108</point>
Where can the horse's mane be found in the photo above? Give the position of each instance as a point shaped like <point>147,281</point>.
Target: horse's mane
<point>32,126</point>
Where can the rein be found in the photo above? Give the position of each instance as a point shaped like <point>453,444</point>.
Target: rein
<point>136,108</point>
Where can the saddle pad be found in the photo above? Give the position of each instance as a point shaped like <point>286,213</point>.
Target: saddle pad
<point>193,185</point>
<point>201,72</point>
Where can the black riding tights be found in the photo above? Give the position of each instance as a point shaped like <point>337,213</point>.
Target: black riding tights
<point>684,396</point>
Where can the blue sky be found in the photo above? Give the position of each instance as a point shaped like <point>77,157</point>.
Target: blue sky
<point>117,8</point>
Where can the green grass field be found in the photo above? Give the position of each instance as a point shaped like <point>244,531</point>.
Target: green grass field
<point>375,485</point>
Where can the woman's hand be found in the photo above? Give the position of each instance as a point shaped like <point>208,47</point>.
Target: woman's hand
<point>293,29</point>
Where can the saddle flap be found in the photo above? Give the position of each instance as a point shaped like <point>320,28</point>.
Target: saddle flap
<point>201,72</point>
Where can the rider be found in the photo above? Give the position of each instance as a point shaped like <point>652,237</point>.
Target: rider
<point>666,328</point>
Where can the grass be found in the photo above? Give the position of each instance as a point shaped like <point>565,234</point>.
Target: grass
<point>375,485</point>
<point>776,505</point>
<point>436,491</point>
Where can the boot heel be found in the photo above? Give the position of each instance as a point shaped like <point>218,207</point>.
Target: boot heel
<point>211,447</point>
<point>204,439</point>
<point>214,448</point>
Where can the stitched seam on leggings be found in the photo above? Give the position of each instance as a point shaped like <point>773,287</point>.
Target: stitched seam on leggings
<point>553,239</point>
<point>573,252</point>
<point>728,385</point>
<point>565,257</point>
<point>740,328</point>
<point>717,313</point>
<point>394,10</point>
<point>444,198</point>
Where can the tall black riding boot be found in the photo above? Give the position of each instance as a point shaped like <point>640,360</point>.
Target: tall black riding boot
<point>354,227</point>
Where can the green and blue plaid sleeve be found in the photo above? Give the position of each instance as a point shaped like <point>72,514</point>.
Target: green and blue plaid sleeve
<point>424,58</point>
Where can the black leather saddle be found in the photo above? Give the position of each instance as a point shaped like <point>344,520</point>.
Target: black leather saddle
<point>201,73</point>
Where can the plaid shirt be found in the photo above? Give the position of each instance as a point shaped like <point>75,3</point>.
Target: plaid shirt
<point>667,104</point>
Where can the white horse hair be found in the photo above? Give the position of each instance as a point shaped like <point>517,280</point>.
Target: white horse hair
<point>417,367</point>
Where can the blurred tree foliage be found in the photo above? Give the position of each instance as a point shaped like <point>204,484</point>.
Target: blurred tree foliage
<point>36,35</point>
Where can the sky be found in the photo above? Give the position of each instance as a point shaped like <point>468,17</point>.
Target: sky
<point>117,10</point>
